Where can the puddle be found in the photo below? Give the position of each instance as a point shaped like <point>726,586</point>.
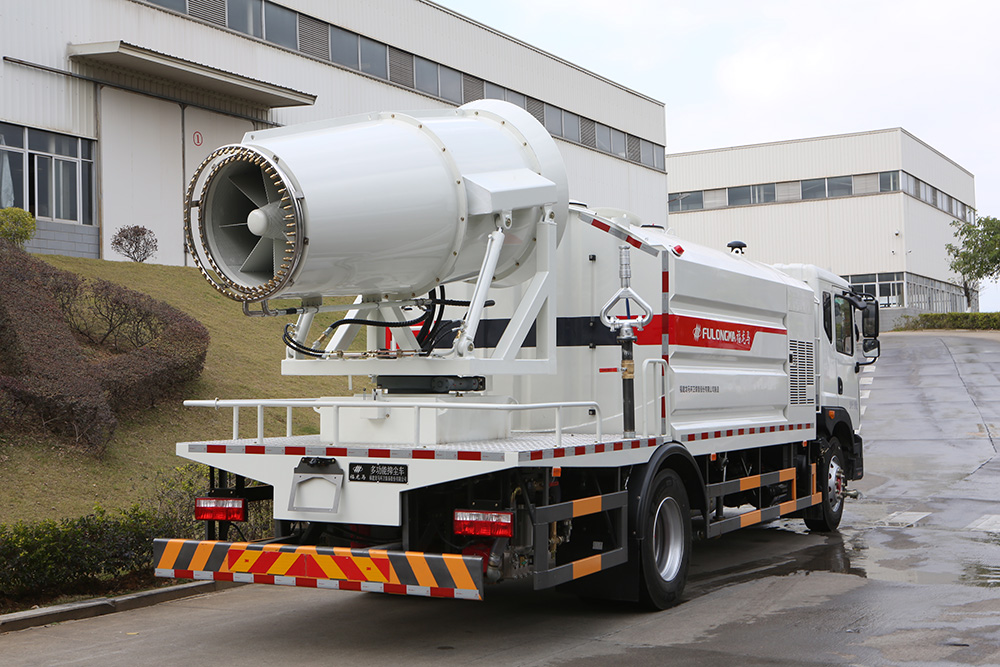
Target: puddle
<point>984,576</point>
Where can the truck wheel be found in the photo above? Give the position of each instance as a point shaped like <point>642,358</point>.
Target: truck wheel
<point>826,516</point>
<point>666,541</point>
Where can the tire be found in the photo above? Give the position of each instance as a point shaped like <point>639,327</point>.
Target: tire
<point>665,524</point>
<point>825,517</point>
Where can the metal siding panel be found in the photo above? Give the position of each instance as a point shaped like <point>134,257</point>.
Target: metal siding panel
<point>493,56</point>
<point>601,180</point>
<point>845,236</point>
<point>141,170</point>
<point>786,161</point>
<point>934,168</point>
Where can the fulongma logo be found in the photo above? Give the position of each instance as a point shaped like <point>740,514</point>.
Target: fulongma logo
<point>723,335</point>
<point>697,332</point>
<point>358,469</point>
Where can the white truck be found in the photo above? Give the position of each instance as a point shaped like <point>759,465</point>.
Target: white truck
<point>592,394</point>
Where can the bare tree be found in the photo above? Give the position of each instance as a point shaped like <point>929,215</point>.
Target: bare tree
<point>135,242</point>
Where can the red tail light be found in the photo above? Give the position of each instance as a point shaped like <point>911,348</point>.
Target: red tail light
<point>488,524</point>
<point>220,509</point>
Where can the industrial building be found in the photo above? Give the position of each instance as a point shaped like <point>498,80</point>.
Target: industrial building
<point>107,111</point>
<point>874,207</point>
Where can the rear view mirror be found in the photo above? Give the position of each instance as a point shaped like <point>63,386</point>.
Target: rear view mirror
<point>869,320</point>
<point>871,347</point>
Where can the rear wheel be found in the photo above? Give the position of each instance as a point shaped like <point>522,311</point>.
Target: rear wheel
<point>666,541</point>
<point>826,516</point>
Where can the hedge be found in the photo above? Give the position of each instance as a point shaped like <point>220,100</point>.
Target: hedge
<point>50,557</point>
<point>951,321</point>
<point>43,367</point>
<point>153,348</point>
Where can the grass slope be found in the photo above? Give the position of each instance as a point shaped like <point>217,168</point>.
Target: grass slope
<point>43,478</point>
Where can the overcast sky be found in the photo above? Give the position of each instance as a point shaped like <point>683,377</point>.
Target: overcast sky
<point>732,72</point>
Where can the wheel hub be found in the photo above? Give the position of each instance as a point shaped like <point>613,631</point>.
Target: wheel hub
<point>668,538</point>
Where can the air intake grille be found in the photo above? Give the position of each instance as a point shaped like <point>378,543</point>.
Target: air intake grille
<point>472,88</point>
<point>537,109</point>
<point>401,67</point>
<point>802,373</point>
<point>213,11</point>
<point>314,37</point>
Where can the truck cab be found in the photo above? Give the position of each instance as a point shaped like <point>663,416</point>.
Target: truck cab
<point>847,340</point>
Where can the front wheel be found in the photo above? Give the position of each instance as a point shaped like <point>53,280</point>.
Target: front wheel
<point>826,516</point>
<point>666,541</point>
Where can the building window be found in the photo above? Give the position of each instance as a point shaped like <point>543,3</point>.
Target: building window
<point>517,99</point>
<point>571,126</point>
<point>751,194</point>
<point>839,186</point>
<point>888,181</point>
<point>686,201</point>
<point>245,16</point>
<point>425,76</point>
<point>53,178</point>
<point>492,91</point>
<point>739,196</point>
<point>281,26</point>
<point>176,5</point>
<point>553,120</point>
<point>619,146</point>
<point>451,84</point>
<point>343,47</point>
<point>374,58</point>
<point>814,188</point>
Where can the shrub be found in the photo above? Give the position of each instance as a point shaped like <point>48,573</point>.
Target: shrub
<point>72,555</point>
<point>951,321</point>
<point>49,557</point>
<point>47,373</point>
<point>16,225</point>
<point>135,242</point>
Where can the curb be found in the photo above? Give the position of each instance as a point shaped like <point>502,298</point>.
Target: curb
<point>90,608</point>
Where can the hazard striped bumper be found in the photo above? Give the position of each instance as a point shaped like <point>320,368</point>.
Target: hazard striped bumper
<point>372,570</point>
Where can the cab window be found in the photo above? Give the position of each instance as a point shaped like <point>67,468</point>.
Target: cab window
<point>843,324</point>
<point>827,316</point>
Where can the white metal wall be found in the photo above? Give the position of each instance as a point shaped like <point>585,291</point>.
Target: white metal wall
<point>934,168</point>
<point>845,236</point>
<point>144,163</point>
<point>439,34</point>
<point>786,161</point>
<point>142,171</point>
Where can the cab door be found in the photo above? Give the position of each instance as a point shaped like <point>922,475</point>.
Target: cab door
<point>840,386</point>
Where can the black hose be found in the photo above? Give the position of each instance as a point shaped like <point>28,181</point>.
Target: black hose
<point>312,352</point>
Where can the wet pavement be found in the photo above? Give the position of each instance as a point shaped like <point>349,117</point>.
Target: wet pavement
<point>911,578</point>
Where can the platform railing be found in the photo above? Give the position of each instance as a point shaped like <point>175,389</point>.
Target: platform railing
<point>417,406</point>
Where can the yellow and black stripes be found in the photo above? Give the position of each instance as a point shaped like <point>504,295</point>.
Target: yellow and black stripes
<point>375,570</point>
<point>767,513</point>
<point>614,503</point>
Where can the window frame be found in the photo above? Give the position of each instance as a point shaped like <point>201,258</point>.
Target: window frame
<point>843,318</point>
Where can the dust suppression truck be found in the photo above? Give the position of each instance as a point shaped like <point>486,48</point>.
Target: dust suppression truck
<point>561,393</point>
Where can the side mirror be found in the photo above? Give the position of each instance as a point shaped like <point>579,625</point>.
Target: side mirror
<point>871,348</point>
<point>869,320</point>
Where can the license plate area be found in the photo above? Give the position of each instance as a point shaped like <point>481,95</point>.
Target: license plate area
<point>384,473</point>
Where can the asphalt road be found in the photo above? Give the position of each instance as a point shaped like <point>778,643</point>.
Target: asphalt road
<point>912,578</point>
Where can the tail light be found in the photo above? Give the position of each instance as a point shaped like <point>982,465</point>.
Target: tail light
<point>487,524</point>
<point>220,509</point>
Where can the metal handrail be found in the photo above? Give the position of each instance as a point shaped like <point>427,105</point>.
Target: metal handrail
<point>417,406</point>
